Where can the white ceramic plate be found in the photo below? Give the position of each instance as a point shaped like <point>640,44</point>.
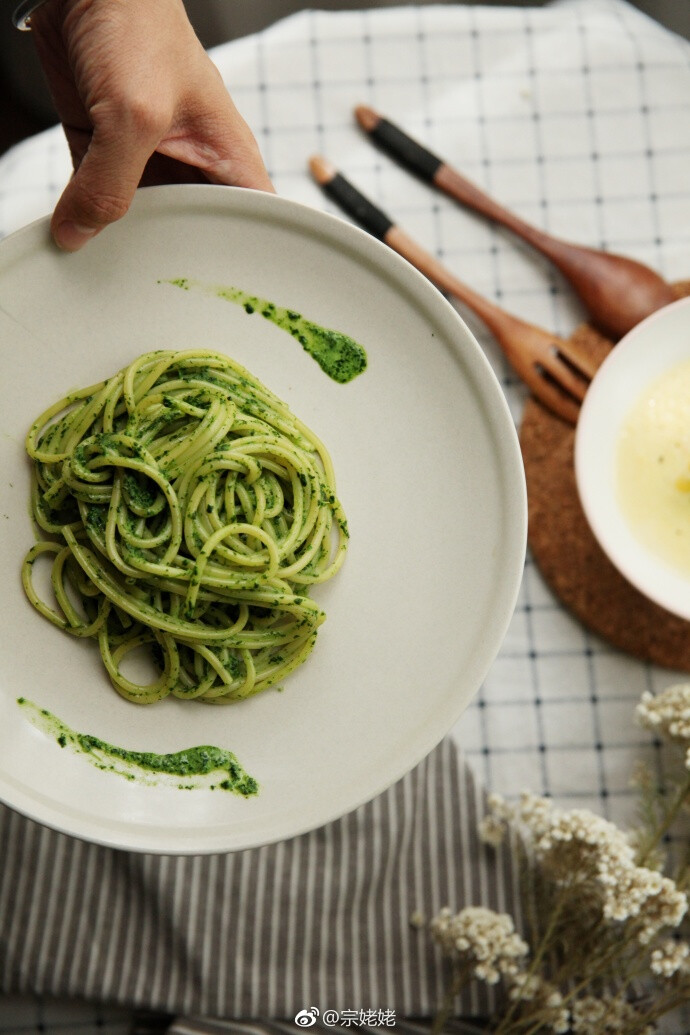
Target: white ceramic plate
<point>656,345</point>
<point>428,469</point>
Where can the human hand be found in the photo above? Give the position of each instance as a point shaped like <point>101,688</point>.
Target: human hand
<point>140,102</point>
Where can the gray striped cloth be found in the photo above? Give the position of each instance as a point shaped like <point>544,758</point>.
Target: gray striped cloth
<point>321,921</point>
<point>402,1027</point>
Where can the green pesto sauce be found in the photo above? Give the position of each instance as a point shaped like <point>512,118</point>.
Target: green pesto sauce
<point>186,765</point>
<point>338,355</point>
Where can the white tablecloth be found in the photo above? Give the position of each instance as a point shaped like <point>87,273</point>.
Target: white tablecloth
<point>576,116</point>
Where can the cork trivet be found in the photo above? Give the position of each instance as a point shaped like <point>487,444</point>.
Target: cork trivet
<point>566,551</point>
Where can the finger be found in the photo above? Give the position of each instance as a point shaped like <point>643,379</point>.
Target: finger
<point>244,168</point>
<point>212,135</point>
<point>49,42</point>
<point>227,156</point>
<point>238,160</point>
<point>101,190</point>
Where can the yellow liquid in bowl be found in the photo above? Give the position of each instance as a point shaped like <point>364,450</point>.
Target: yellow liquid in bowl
<point>653,468</point>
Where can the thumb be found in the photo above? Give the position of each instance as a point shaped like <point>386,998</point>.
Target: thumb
<point>100,191</point>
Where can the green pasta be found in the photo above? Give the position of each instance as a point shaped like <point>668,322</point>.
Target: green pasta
<point>187,512</point>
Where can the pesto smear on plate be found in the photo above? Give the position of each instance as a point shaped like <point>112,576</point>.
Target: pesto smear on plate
<point>338,355</point>
<point>187,767</point>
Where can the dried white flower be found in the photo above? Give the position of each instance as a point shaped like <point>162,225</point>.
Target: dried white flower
<point>647,896</point>
<point>493,827</point>
<point>525,987</point>
<point>669,958</point>
<point>595,885</point>
<point>492,831</point>
<point>668,713</point>
<point>499,807</point>
<point>587,1013</point>
<point>482,937</point>
<point>535,812</point>
<point>609,1015</point>
<point>580,848</point>
<point>559,1020</point>
<point>417,919</point>
<point>546,999</point>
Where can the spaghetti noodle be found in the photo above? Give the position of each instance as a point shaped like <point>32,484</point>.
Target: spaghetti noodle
<point>187,511</point>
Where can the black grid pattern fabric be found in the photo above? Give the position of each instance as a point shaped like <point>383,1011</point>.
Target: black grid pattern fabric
<point>575,116</point>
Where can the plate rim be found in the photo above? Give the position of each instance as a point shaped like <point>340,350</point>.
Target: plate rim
<point>512,481</point>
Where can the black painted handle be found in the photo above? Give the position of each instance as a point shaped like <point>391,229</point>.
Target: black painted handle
<point>406,150</point>
<point>356,205</point>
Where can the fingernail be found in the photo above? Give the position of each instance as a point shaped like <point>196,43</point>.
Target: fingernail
<point>71,236</point>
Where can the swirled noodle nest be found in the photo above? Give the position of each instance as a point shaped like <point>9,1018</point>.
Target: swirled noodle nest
<point>187,511</point>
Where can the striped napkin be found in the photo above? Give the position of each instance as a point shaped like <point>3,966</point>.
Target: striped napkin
<point>319,922</point>
<point>205,1026</point>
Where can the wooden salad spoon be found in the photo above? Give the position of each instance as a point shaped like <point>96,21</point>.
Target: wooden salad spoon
<point>554,369</point>
<point>617,292</point>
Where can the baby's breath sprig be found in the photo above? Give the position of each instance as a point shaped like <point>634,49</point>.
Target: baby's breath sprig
<point>602,951</point>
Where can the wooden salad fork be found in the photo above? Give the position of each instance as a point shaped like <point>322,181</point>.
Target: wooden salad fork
<point>616,291</point>
<point>556,372</point>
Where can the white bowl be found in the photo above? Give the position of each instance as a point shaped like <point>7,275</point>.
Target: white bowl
<point>428,469</point>
<point>645,354</point>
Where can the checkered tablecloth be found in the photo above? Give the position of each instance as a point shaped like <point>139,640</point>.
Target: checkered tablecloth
<point>575,116</point>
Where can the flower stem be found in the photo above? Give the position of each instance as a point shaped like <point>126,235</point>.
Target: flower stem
<point>457,984</point>
<point>666,1002</point>
<point>539,1026</point>
<point>542,949</point>
<point>666,823</point>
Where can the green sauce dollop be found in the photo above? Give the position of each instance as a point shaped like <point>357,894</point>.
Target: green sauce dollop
<point>187,764</point>
<point>338,355</point>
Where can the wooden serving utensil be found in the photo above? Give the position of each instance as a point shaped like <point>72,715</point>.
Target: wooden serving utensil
<point>617,292</point>
<point>553,369</point>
